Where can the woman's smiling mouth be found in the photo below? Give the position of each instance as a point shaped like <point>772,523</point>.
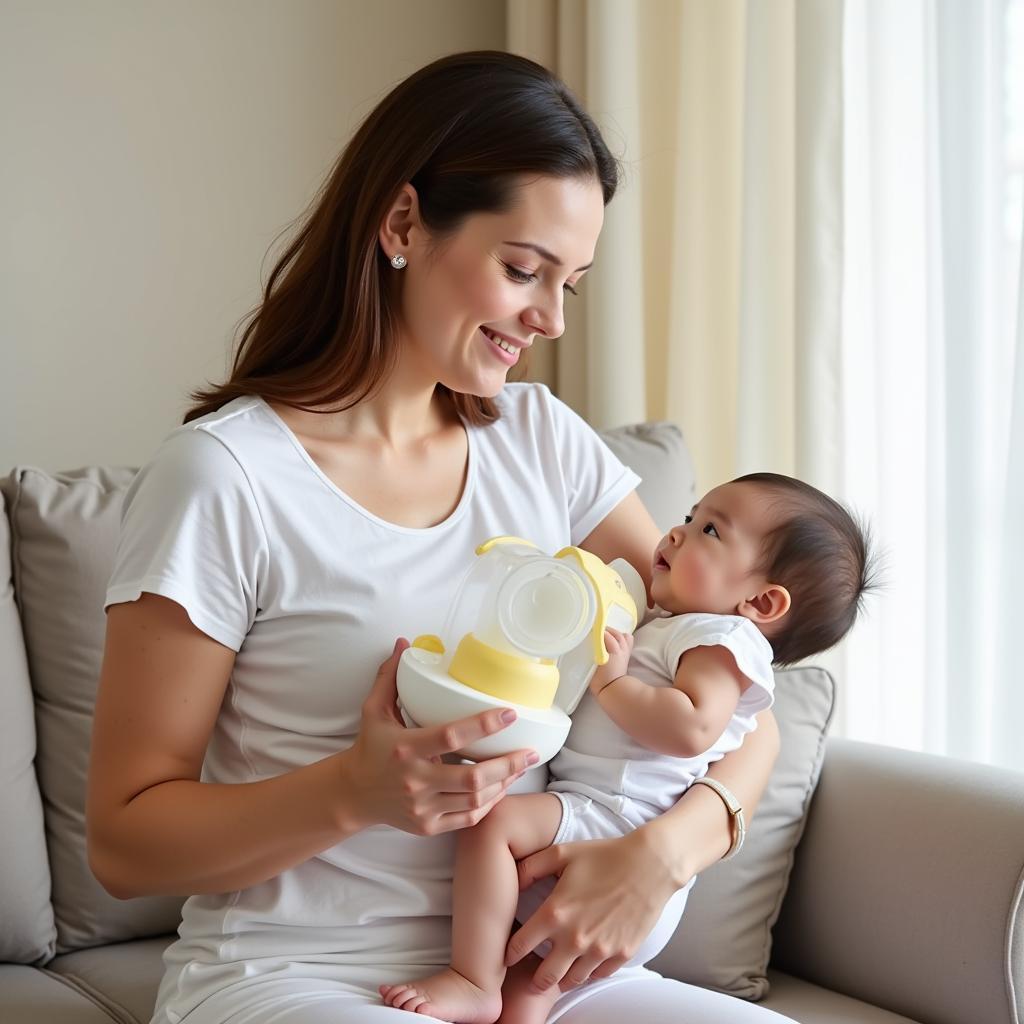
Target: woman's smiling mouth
<point>505,350</point>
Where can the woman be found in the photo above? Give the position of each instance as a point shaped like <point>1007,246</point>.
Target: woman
<point>323,500</point>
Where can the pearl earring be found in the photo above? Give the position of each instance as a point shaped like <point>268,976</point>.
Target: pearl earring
<point>398,261</point>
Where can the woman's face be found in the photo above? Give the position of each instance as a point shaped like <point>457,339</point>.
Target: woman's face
<point>471,303</point>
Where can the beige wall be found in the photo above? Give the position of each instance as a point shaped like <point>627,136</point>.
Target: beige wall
<point>151,154</point>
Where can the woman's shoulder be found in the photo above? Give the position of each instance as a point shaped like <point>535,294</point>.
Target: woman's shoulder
<point>523,398</point>
<point>532,404</point>
<point>206,452</point>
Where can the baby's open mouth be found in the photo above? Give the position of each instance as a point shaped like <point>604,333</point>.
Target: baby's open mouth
<point>660,563</point>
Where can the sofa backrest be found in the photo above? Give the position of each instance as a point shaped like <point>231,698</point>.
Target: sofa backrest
<point>65,528</point>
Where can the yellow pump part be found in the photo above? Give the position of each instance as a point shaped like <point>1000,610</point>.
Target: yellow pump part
<point>488,544</point>
<point>429,642</point>
<point>511,677</point>
<point>610,590</point>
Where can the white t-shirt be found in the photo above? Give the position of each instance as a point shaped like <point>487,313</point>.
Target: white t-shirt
<point>234,521</point>
<point>601,761</point>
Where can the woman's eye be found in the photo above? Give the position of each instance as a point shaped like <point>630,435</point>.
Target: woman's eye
<point>710,530</point>
<point>525,277</point>
<point>519,275</point>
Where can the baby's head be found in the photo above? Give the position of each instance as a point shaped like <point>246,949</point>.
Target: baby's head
<point>774,550</point>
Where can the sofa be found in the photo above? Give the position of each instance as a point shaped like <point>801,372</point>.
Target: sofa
<point>877,886</point>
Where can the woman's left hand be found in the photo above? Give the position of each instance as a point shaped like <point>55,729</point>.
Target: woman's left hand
<point>609,896</point>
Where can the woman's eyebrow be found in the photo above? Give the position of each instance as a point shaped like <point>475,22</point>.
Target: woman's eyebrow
<point>544,254</point>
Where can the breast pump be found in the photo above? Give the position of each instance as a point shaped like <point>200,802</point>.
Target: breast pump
<point>526,631</point>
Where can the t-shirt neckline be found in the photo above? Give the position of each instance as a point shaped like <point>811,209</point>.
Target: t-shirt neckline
<point>456,514</point>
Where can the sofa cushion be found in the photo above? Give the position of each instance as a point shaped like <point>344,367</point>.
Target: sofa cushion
<point>31,996</point>
<point>65,528</point>
<point>803,1001</point>
<point>123,978</point>
<point>27,932</point>
<point>724,940</point>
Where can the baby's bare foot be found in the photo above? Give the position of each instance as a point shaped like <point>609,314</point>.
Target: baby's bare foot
<point>446,995</point>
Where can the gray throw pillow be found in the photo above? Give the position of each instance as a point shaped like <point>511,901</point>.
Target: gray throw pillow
<point>65,528</point>
<point>724,939</point>
<point>27,933</point>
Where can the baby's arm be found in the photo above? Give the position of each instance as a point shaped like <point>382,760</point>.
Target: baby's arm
<point>682,720</point>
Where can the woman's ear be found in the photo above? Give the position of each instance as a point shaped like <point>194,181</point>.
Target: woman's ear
<point>769,604</point>
<point>401,223</point>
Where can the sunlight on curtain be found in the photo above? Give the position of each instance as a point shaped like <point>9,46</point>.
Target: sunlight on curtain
<point>932,249</point>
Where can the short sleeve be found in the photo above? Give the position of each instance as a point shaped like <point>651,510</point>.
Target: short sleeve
<point>751,651</point>
<point>191,532</point>
<point>595,479</point>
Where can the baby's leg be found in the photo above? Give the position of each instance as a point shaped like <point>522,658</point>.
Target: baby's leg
<point>485,894</point>
<point>520,1002</point>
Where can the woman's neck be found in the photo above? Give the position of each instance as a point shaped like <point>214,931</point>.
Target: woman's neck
<point>395,417</point>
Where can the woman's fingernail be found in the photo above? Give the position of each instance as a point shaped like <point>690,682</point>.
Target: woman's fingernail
<point>508,715</point>
<point>533,757</point>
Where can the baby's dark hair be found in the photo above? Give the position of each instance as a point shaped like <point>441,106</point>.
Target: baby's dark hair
<point>822,555</point>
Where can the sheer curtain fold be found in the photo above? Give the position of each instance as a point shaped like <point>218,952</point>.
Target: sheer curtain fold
<point>804,269</point>
<point>720,259</point>
<point>927,351</point>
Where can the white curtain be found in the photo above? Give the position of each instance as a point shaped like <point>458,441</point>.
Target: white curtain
<point>930,333</point>
<point>715,299</point>
<point>812,268</point>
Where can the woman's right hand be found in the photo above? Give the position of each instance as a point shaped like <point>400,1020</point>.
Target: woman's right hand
<point>394,775</point>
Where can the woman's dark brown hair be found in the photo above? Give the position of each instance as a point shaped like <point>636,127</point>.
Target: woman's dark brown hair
<point>462,131</point>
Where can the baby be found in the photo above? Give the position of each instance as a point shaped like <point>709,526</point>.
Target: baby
<point>764,570</point>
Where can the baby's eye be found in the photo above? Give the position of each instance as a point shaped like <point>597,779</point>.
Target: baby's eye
<point>710,530</point>
<point>687,519</point>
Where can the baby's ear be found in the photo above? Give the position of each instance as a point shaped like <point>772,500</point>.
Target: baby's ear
<point>768,605</point>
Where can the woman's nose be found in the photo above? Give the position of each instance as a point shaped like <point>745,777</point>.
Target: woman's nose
<point>546,318</point>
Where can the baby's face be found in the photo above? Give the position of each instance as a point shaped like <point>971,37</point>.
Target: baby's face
<point>706,564</point>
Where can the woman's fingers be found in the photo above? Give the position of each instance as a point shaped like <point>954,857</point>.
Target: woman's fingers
<point>383,696</point>
<point>447,739</point>
<point>608,967</point>
<point>449,803</point>
<point>545,862</point>
<point>474,778</point>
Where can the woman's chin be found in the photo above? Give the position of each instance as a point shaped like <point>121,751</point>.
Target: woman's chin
<point>489,386</point>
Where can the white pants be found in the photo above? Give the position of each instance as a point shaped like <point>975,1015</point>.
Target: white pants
<point>631,994</point>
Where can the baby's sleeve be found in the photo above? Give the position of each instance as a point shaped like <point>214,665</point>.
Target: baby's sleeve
<point>191,531</point>
<point>741,638</point>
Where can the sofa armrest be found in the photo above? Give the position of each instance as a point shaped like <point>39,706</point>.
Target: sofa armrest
<point>907,887</point>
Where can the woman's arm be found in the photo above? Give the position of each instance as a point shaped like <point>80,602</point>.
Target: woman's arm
<point>697,831</point>
<point>153,827</point>
<point>610,893</point>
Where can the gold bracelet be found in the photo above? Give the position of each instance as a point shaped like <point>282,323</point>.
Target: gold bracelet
<point>735,809</point>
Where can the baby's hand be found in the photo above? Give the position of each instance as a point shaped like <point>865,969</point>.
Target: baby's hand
<point>619,647</point>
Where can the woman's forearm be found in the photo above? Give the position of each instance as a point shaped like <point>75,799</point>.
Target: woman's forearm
<point>183,837</point>
<point>697,831</point>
